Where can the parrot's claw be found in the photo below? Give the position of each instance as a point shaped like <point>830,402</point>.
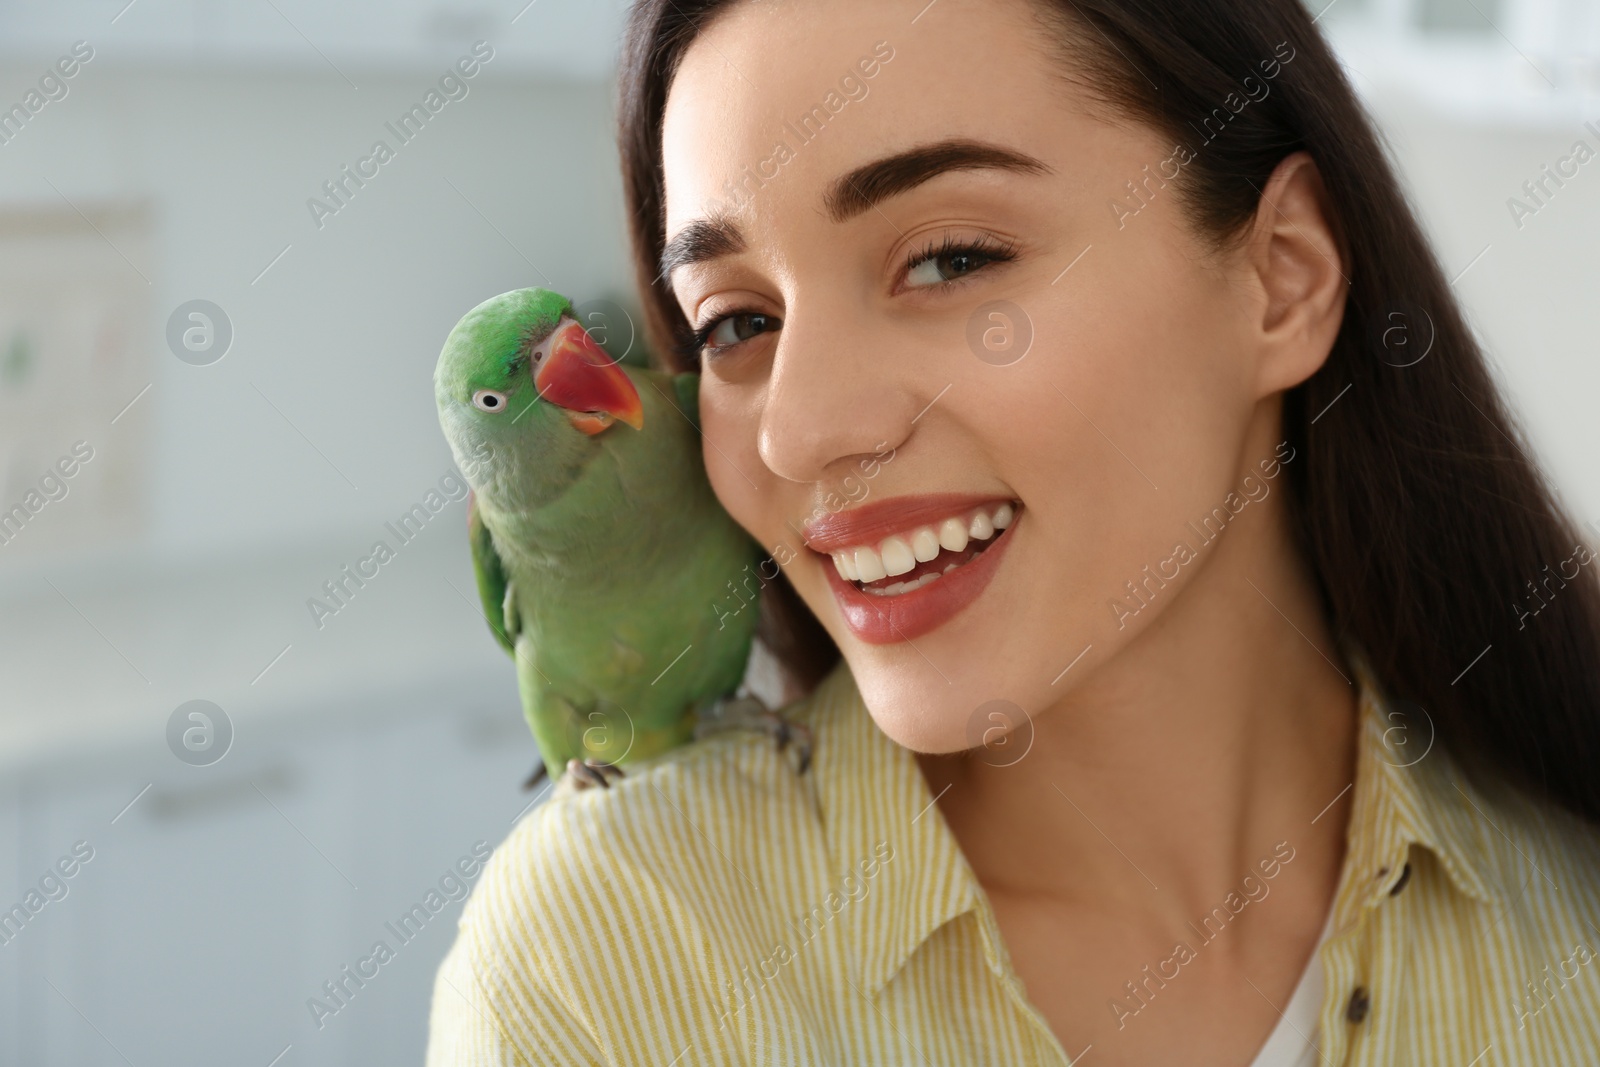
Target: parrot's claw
<point>749,713</point>
<point>592,772</point>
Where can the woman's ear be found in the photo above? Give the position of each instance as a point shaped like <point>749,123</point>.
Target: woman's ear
<point>1293,253</point>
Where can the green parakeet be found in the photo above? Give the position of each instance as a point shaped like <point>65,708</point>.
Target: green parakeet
<point>600,549</point>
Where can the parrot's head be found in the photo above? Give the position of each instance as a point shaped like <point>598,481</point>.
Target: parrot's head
<point>525,393</point>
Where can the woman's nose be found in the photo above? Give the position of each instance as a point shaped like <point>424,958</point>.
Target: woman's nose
<point>834,393</point>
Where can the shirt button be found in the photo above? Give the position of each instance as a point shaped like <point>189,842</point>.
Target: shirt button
<point>1356,1011</point>
<point>1405,876</point>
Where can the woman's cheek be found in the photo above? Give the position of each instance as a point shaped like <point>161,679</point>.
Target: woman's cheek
<point>733,463</point>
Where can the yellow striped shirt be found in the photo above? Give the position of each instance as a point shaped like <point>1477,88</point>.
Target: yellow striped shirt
<point>715,908</point>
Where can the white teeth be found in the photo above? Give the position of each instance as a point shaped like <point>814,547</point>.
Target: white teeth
<point>899,588</point>
<point>953,535</point>
<point>900,553</point>
<point>897,557</point>
<point>869,565</point>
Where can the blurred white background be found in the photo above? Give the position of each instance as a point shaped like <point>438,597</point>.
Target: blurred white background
<point>367,756</point>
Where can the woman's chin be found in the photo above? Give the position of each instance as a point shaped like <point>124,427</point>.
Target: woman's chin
<point>911,724</point>
<point>928,718</point>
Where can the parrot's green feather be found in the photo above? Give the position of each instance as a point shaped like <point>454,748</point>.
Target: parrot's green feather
<point>491,576</point>
<point>627,592</point>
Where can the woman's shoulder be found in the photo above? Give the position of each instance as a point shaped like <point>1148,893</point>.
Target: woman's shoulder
<point>1529,859</point>
<point>705,788</point>
<point>1506,842</point>
<point>1531,847</point>
<point>691,826</point>
<point>1496,840</point>
<point>600,900</point>
<point>710,788</point>
<point>1512,962</point>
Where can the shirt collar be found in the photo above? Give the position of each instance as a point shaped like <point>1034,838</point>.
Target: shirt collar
<point>872,797</point>
<point>1409,792</point>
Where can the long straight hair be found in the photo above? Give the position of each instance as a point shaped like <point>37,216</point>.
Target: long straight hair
<point>1438,547</point>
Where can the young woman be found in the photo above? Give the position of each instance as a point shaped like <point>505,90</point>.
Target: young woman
<point>1199,670</point>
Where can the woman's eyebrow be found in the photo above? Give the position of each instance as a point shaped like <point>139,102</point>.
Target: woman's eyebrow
<point>851,194</point>
<point>703,239</point>
<point>869,184</point>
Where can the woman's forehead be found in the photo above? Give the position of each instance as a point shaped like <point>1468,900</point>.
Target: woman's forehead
<point>771,98</point>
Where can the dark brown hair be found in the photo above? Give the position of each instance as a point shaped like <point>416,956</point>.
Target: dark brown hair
<point>1435,540</point>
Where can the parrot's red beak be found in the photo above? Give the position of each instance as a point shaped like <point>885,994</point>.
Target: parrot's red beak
<point>576,374</point>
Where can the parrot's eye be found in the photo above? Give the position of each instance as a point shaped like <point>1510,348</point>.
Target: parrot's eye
<point>489,400</point>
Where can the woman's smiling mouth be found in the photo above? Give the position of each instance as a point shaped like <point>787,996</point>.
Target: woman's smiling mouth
<point>903,567</point>
<point>921,554</point>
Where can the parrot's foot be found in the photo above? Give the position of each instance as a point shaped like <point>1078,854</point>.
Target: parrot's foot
<point>592,772</point>
<point>749,713</point>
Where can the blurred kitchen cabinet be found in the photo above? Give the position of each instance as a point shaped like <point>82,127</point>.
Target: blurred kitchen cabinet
<point>221,901</point>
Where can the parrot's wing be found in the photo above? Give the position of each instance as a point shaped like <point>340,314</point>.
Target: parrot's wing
<point>687,386</point>
<point>492,579</point>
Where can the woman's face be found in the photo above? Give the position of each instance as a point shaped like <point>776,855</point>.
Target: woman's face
<point>936,306</point>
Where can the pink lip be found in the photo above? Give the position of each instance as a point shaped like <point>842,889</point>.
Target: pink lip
<point>871,523</point>
<point>881,620</point>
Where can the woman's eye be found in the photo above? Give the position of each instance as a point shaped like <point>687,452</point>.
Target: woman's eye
<point>945,267</point>
<point>489,400</point>
<point>735,328</point>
